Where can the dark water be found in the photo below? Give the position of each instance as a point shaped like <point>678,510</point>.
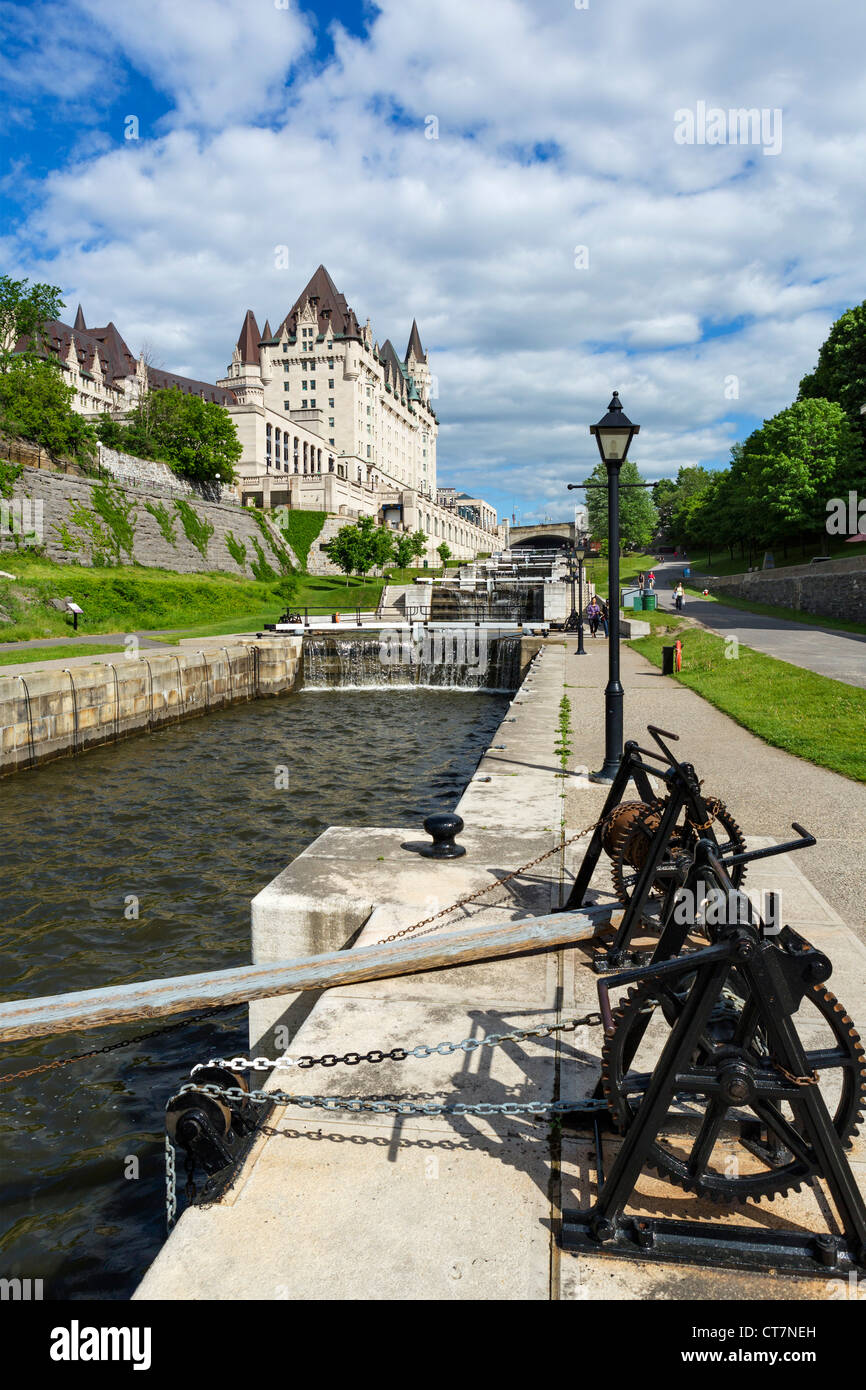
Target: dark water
<point>188,821</point>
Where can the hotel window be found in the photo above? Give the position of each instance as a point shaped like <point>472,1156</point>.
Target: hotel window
<point>303,386</point>
<point>330,361</point>
<point>313,403</point>
<point>331,383</point>
<point>330,441</point>
<point>331,421</point>
<point>331,402</point>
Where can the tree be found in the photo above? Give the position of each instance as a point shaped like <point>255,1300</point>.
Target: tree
<point>840,375</point>
<point>23,314</point>
<point>36,404</point>
<point>794,463</point>
<point>444,553</point>
<point>403,551</point>
<point>637,515</point>
<point>360,546</point>
<point>196,438</point>
<point>419,544</point>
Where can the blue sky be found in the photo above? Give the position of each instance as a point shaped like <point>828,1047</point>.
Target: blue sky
<point>556,238</point>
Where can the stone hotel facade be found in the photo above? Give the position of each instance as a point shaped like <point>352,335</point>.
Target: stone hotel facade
<point>328,419</point>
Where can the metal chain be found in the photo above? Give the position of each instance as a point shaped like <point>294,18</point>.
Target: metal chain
<point>170,1184</point>
<point>113,1047</point>
<point>490,887</point>
<point>399,1054</point>
<point>811,1080</point>
<point>377,1106</point>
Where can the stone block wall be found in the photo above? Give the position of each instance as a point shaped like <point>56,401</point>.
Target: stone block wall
<point>836,589</point>
<point>53,713</point>
<point>58,493</point>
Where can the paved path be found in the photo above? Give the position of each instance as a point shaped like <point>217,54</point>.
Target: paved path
<point>765,788</point>
<point>109,639</point>
<point>828,651</point>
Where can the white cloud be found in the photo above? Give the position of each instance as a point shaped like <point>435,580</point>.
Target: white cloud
<point>174,237</point>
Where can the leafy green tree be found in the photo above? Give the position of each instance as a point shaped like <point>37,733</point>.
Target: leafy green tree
<point>444,553</point>
<point>664,495</point>
<point>196,438</point>
<point>794,463</point>
<point>36,404</point>
<point>403,551</point>
<point>344,550</point>
<point>840,375</point>
<point>24,312</point>
<point>637,514</point>
<point>419,545</point>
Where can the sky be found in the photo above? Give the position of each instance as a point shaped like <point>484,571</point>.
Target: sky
<point>556,189</point>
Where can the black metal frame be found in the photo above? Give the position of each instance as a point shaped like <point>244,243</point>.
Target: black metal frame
<point>776,972</point>
<point>684,790</point>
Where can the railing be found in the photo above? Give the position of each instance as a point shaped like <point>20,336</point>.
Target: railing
<point>390,613</point>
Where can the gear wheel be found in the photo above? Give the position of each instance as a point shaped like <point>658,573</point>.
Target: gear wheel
<point>619,822</point>
<point>692,1160</point>
<point>631,846</point>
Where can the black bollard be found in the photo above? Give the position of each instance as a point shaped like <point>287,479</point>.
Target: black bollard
<point>443,827</point>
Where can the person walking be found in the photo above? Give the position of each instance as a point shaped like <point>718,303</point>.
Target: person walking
<point>652,579</point>
<point>679,595</point>
<point>592,613</point>
<point>603,615</point>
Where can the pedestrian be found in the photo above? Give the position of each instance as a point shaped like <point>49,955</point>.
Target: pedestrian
<point>603,615</point>
<point>652,579</point>
<point>679,595</point>
<point>592,613</point>
<point>641,580</point>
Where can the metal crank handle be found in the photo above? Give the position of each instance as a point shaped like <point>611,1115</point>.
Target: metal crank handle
<point>805,842</point>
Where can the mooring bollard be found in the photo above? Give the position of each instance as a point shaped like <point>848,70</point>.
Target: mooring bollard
<point>443,827</point>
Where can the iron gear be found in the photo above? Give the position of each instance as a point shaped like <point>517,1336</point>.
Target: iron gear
<point>631,836</point>
<point>745,1089</point>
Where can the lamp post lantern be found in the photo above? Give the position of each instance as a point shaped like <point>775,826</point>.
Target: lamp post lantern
<point>613,435</point>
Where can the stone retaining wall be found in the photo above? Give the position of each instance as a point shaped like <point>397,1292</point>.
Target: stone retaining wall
<point>54,713</point>
<point>836,589</point>
<point>59,492</point>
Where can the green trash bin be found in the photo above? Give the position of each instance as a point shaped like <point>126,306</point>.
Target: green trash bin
<point>649,601</point>
<point>637,605</point>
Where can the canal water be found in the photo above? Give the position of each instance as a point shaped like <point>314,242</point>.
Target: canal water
<point>139,861</point>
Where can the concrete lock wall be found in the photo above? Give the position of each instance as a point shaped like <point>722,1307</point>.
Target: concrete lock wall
<point>53,713</point>
<point>60,492</point>
<point>836,589</point>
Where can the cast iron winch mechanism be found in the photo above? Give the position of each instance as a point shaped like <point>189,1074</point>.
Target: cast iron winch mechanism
<point>730,1105</point>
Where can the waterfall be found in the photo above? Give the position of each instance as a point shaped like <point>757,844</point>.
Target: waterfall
<point>444,658</point>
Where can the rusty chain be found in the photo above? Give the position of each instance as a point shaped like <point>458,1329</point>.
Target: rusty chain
<point>491,887</point>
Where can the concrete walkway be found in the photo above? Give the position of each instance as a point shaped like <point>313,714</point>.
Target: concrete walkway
<point>828,651</point>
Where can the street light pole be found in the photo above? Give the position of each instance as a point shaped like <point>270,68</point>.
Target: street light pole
<point>613,435</point>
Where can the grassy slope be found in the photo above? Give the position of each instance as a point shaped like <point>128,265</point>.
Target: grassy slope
<point>837,546</point>
<point>815,718</point>
<point>25,654</point>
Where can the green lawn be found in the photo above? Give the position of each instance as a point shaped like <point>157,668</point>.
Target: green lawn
<point>630,567</point>
<point>124,598</point>
<point>837,546</point>
<point>24,654</point>
<point>815,718</point>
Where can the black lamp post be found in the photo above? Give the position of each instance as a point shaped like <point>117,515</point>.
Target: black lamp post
<point>575,571</point>
<point>613,435</point>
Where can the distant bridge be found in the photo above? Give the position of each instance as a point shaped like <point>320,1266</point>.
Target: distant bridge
<point>552,535</point>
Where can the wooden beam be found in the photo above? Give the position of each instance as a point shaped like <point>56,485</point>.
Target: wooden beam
<point>149,999</point>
